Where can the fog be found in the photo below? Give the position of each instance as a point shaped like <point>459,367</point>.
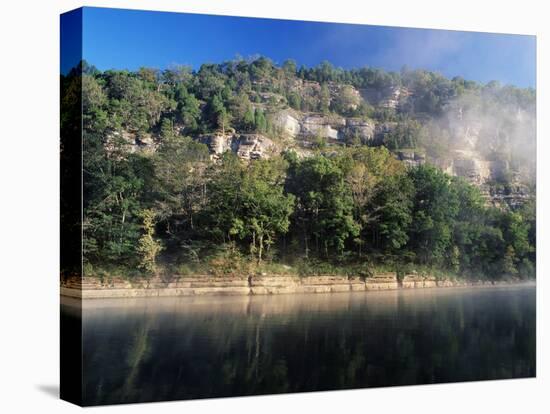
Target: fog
<point>495,124</point>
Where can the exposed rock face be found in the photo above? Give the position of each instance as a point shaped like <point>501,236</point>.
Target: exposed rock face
<point>131,142</point>
<point>466,161</point>
<point>346,96</point>
<point>475,138</point>
<point>389,97</point>
<point>287,123</point>
<point>217,143</point>
<point>94,287</point>
<point>307,88</point>
<point>382,281</point>
<point>465,132</point>
<point>318,125</point>
<point>472,166</point>
<point>416,281</point>
<point>252,146</point>
<point>268,285</point>
<point>392,99</point>
<point>246,146</point>
<point>383,128</point>
<point>360,128</point>
<point>331,127</point>
<point>466,164</point>
<point>411,158</point>
<point>512,196</point>
<point>486,175</point>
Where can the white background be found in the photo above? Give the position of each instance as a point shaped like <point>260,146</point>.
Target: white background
<point>29,68</point>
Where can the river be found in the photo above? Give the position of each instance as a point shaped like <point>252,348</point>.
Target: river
<point>154,349</point>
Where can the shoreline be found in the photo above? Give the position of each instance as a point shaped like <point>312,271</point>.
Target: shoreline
<point>94,288</point>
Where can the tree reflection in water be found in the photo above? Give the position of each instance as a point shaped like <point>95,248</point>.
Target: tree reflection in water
<point>139,350</point>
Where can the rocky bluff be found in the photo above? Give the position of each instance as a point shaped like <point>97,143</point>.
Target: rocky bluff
<point>471,140</point>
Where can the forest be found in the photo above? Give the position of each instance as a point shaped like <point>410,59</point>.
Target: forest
<point>346,208</point>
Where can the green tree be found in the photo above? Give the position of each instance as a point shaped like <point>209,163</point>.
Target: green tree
<point>188,109</point>
<point>148,247</point>
<point>223,189</point>
<point>434,211</point>
<point>249,119</point>
<point>217,114</point>
<point>179,182</point>
<point>241,111</point>
<point>260,122</point>
<point>261,69</point>
<point>365,170</point>
<point>166,128</point>
<point>265,208</point>
<point>248,203</point>
<point>295,101</point>
<point>94,105</point>
<point>289,67</point>
<point>324,99</point>
<point>391,210</point>
<point>516,232</point>
<point>346,100</point>
<point>509,262</point>
<point>132,105</point>
<point>324,204</point>
<point>339,199</point>
<point>177,75</point>
<point>115,190</point>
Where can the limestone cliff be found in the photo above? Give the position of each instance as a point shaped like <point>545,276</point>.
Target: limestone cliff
<point>246,146</point>
<point>491,148</point>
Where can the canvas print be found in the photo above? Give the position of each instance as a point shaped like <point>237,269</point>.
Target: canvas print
<point>257,206</point>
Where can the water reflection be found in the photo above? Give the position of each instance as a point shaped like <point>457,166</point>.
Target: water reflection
<point>181,348</point>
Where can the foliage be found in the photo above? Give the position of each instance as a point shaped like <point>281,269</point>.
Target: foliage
<point>148,247</point>
<point>249,203</point>
<point>324,204</point>
<point>344,209</point>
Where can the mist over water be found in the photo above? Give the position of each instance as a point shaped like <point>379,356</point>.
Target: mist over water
<point>140,350</point>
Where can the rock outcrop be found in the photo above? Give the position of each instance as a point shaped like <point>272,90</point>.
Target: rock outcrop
<point>417,281</point>
<point>217,143</point>
<point>292,125</point>
<point>252,146</point>
<point>510,196</point>
<point>287,122</point>
<point>321,126</point>
<point>382,281</point>
<point>390,97</point>
<point>246,146</point>
<point>472,142</point>
<point>345,96</point>
<point>468,165</point>
<point>201,285</point>
<point>383,128</point>
<point>360,128</point>
<point>411,158</point>
<point>131,142</point>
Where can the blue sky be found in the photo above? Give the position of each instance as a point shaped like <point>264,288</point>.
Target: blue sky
<point>129,39</point>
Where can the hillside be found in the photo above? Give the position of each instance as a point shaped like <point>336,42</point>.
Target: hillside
<point>484,133</point>
<point>348,167</point>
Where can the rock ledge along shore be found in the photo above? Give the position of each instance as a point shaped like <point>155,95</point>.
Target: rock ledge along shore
<point>91,287</point>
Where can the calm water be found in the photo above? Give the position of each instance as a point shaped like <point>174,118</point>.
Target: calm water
<point>139,350</point>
